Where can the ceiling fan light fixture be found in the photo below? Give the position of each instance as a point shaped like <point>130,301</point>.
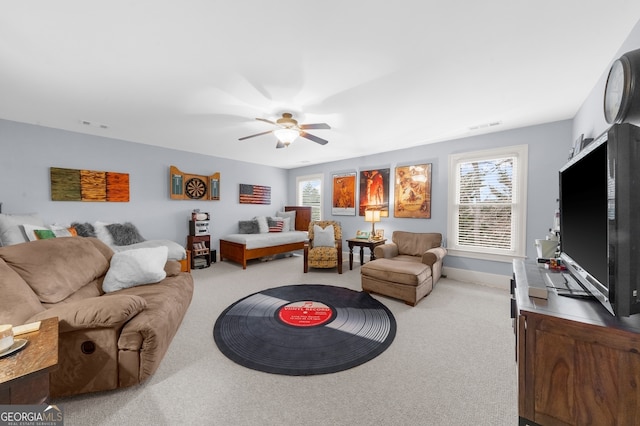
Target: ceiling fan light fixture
<point>286,136</point>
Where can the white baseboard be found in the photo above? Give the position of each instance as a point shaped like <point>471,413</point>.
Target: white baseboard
<point>483,278</point>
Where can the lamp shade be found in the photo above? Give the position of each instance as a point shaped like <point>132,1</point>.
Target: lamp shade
<point>372,216</point>
<point>286,136</point>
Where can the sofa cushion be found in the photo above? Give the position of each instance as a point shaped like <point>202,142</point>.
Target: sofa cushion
<point>29,231</point>
<point>263,225</point>
<point>44,234</point>
<point>35,232</point>
<point>103,233</point>
<point>248,227</point>
<point>407,273</point>
<point>292,219</point>
<point>276,225</point>
<point>49,266</point>
<point>19,302</point>
<point>11,231</point>
<point>124,234</point>
<point>94,312</point>
<point>324,237</point>
<point>136,267</point>
<point>84,229</point>
<point>414,244</point>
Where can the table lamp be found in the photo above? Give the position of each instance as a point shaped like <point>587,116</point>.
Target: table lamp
<point>372,216</point>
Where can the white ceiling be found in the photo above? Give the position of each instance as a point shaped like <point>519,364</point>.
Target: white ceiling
<point>193,75</point>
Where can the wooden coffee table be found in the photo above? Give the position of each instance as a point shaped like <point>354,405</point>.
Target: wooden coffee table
<point>24,375</point>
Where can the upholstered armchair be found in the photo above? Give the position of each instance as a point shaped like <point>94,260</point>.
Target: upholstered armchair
<point>407,268</point>
<point>415,247</point>
<point>324,247</point>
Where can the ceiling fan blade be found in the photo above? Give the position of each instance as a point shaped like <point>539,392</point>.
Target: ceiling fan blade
<point>267,121</point>
<point>257,134</point>
<point>315,126</point>
<point>280,144</point>
<point>314,138</point>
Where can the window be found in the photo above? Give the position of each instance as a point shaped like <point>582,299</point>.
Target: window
<point>309,193</point>
<point>487,203</point>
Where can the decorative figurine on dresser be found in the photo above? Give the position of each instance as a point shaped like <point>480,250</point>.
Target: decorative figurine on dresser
<point>199,240</point>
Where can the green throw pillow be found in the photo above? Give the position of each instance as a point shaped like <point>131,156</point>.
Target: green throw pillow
<point>44,234</point>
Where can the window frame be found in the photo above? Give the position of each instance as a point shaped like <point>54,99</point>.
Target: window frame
<point>308,178</point>
<point>519,204</point>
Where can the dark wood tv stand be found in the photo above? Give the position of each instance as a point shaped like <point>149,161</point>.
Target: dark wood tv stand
<point>577,363</point>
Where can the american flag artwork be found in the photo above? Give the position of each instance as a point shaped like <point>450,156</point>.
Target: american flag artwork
<point>255,194</point>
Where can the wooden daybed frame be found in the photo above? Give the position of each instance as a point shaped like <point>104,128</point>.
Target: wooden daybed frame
<point>239,253</point>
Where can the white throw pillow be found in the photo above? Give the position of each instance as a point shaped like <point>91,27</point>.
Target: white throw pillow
<point>292,216</point>
<point>11,231</point>
<point>286,227</point>
<point>135,267</point>
<point>29,231</point>
<point>323,237</point>
<point>262,224</point>
<point>103,233</point>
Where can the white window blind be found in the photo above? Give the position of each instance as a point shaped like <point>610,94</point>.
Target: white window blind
<point>487,202</point>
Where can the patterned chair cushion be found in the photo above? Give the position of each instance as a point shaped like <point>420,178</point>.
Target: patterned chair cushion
<point>324,257</point>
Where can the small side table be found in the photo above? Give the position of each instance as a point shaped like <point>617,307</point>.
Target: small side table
<point>362,243</point>
<point>24,375</point>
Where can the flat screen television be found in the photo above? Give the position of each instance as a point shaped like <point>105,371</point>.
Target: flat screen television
<point>600,218</point>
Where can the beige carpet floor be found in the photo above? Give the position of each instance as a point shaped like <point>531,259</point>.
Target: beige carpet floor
<point>451,363</point>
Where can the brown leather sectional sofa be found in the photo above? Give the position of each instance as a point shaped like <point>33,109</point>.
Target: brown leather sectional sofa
<point>106,340</point>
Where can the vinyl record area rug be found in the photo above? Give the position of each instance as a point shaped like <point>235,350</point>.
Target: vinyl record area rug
<point>302,330</point>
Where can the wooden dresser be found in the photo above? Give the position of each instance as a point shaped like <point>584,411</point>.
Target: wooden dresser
<point>577,363</point>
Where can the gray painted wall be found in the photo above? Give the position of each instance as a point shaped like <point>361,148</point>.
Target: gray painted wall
<point>548,149</point>
<point>28,151</point>
<point>590,118</point>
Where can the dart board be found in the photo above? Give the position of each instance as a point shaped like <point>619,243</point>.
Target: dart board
<point>196,188</point>
<point>187,186</point>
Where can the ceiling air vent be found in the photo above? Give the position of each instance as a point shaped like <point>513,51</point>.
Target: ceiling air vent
<point>92,124</point>
<point>485,125</point>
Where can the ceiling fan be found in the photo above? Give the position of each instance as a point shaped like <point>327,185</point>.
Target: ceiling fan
<point>288,130</point>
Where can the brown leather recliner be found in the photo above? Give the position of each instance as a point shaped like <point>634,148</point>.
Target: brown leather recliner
<point>106,340</point>
<point>407,268</point>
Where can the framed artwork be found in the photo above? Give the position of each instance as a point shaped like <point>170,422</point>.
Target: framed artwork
<point>379,234</point>
<point>254,194</point>
<point>343,198</point>
<point>577,145</point>
<point>374,191</point>
<point>88,185</point>
<point>363,235</point>
<point>585,142</point>
<point>413,191</point>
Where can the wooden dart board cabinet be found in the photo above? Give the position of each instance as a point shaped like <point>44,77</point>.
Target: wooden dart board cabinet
<point>186,186</point>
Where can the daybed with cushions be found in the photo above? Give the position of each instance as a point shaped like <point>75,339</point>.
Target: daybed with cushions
<point>107,339</point>
<point>255,240</point>
<point>15,229</point>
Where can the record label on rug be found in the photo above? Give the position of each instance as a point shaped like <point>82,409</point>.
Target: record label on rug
<point>305,314</point>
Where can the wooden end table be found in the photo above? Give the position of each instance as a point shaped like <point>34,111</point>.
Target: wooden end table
<point>362,243</point>
<point>24,375</point>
